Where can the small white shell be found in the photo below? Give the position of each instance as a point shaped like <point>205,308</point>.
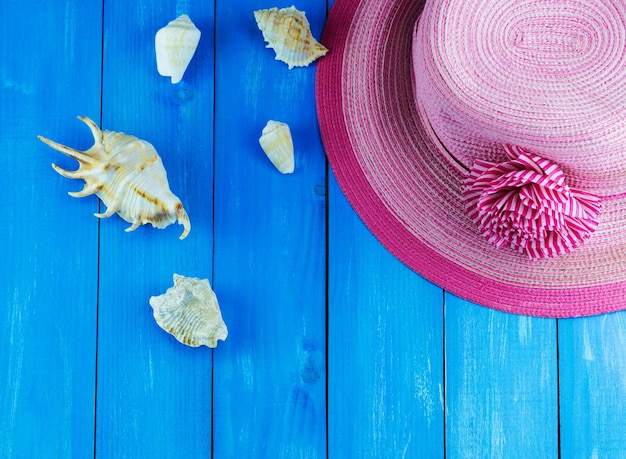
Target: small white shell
<point>175,45</point>
<point>289,33</point>
<point>190,312</point>
<point>127,174</point>
<point>278,146</point>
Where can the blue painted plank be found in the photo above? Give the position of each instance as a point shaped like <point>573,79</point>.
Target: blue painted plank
<point>269,249</point>
<point>592,363</point>
<point>154,394</point>
<point>49,72</point>
<point>385,376</point>
<point>501,383</point>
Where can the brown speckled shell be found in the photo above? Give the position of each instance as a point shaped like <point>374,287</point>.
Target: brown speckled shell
<point>127,174</point>
<point>288,32</point>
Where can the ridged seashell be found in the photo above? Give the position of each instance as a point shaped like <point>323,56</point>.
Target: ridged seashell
<point>190,312</point>
<point>175,45</point>
<point>289,33</point>
<point>278,146</point>
<point>127,174</point>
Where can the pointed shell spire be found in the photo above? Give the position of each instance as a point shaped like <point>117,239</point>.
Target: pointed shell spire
<point>288,32</point>
<point>190,312</point>
<point>175,45</point>
<point>127,174</point>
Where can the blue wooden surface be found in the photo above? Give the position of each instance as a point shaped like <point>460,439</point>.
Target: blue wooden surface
<point>270,250</point>
<point>335,349</point>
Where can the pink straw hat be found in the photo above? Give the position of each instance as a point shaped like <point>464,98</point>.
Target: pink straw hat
<point>483,143</point>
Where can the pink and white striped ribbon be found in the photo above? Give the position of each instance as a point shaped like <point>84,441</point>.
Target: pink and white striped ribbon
<point>524,203</point>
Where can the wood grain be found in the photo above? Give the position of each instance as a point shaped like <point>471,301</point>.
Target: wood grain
<point>154,394</point>
<point>592,357</point>
<point>501,381</point>
<point>49,73</point>
<point>270,249</point>
<point>385,348</point>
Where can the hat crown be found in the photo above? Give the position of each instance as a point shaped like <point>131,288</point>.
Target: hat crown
<point>547,75</point>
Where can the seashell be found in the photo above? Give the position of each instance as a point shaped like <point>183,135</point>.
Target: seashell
<point>190,312</point>
<point>289,33</point>
<point>127,174</point>
<point>175,45</point>
<point>278,146</point>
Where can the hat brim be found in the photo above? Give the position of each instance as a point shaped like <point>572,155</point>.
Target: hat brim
<point>398,180</point>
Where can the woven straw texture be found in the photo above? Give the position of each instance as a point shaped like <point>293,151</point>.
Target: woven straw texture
<point>403,124</point>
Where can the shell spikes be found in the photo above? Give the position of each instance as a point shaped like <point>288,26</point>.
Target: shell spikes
<point>127,174</point>
<point>287,30</point>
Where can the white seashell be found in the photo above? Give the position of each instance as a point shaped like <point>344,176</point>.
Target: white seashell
<point>175,45</point>
<point>190,312</point>
<point>278,146</point>
<point>289,33</point>
<point>127,174</point>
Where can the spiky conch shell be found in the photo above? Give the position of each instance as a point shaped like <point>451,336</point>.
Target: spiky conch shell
<point>127,174</point>
<point>288,32</point>
<point>190,312</point>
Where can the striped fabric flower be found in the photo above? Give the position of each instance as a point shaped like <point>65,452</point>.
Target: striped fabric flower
<point>525,204</point>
